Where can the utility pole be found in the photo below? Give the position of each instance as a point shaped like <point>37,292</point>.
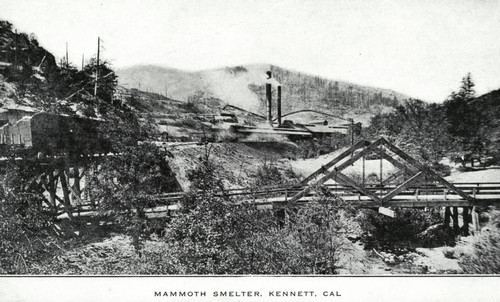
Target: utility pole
<point>97,66</point>
<point>15,50</point>
<point>83,60</point>
<point>67,63</point>
<point>352,132</point>
<point>278,105</point>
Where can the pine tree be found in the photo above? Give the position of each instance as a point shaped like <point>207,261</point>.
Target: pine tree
<point>465,122</point>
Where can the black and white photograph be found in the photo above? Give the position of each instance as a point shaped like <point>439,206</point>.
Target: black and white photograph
<point>192,150</point>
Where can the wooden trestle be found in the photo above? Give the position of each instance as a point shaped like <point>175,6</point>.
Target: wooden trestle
<point>63,182</point>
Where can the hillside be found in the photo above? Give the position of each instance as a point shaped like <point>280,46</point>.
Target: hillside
<point>229,85</point>
<point>244,86</point>
<point>32,80</point>
<point>25,69</point>
<point>489,105</point>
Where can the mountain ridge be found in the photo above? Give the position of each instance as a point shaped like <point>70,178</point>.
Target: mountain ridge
<point>165,67</point>
<point>244,86</point>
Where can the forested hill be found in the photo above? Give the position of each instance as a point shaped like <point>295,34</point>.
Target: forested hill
<point>489,105</point>
<point>244,86</point>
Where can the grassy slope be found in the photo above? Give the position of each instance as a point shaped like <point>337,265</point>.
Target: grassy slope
<point>237,163</point>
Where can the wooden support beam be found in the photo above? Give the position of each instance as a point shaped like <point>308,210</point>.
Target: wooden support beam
<point>345,180</point>
<point>475,221</point>
<point>454,215</point>
<point>449,185</point>
<point>381,177</point>
<point>403,186</point>
<point>421,167</point>
<point>363,172</point>
<point>337,169</point>
<point>51,203</point>
<point>88,175</point>
<point>373,147</point>
<point>65,190</point>
<point>76,195</point>
<point>358,155</point>
<point>50,186</point>
<point>54,200</point>
<point>401,166</point>
<point>392,177</point>
<point>333,162</point>
<point>447,216</point>
<point>466,220</point>
<point>76,183</point>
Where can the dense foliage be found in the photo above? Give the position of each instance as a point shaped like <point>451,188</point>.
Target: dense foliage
<point>214,234</point>
<point>125,187</point>
<point>466,124</point>
<point>417,127</point>
<point>405,230</point>
<point>24,220</point>
<point>316,147</point>
<point>489,106</point>
<point>430,132</point>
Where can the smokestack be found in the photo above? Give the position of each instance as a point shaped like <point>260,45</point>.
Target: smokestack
<point>278,104</point>
<point>269,101</point>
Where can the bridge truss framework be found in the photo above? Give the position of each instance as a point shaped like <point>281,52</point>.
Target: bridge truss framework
<point>410,173</point>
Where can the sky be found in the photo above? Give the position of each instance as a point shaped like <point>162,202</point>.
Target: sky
<point>419,48</point>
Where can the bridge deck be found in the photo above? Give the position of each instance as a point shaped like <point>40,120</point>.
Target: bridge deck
<point>482,194</point>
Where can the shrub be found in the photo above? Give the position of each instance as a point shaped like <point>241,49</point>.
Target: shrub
<point>486,256</point>
<point>125,185</point>
<point>24,221</point>
<point>235,70</point>
<point>436,235</point>
<point>187,122</point>
<point>191,105</point>
<point>316,147</point>
<point>404,230</point>
<point>441,169</point>
<point>267,175</point>
<point>23,225</point>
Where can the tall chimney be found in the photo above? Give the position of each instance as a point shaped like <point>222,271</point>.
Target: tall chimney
<point>278,104</point>
<point>269,104</point>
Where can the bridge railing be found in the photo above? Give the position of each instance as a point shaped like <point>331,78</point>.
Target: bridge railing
<point>169,201</point>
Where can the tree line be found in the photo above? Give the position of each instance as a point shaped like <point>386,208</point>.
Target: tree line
<point>431,131</point>
<point>302,91</point>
